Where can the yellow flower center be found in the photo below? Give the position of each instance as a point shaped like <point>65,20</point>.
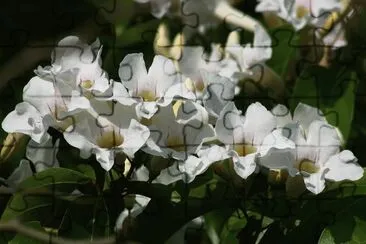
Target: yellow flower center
<point>176,143</point>
<point>244,149</point>
<point>307,166</point>
<point>147,96</point>
<point>200,86</point>
<point>87,84</point>
<point>301,12</point>
<point>110,139</point>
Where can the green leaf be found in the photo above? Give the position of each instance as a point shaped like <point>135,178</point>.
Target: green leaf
<point>21,239</point>
<point>39,195</point>
<point>332,90</point>
<point>349,225</point>
<point>214,223</point>
<point>284,38</point>
<point>162,217</point>
<point>55,176</point>
<point>234,224</point>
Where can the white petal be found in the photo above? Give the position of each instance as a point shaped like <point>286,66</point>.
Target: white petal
<point>141,174</point>
<point>267,6</point>
<point>282,114</point>
<point>189,112</point>
<point>315,182</point>
<point>213,154</point>
<point>192,167</point>
<point>324,139</point>
<point>146,109</point>
<point>80,141</point>
<point>306,114</point>
<point>132,70</point>
<point>177,90</point>
<point>134,138</point>
<point>343,166</point>
<point>78,102</point>
<point>105,158</point>
<point>195,137</point>
<point>191,61</point>
<point>27,120</point>
<point>230,123</point>
<point>121,218</point>
<point>120,94</point>
<point>259,122</point>
<point>169,175</point>
<point>245,166</point>
<point>278,152</point>
<point>164,74</point>
<point>41,94</point>
<point>218,93</point>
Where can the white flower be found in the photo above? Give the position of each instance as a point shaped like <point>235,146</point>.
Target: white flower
<point>244,136</point>
<point>252,54</point>
<point>105,135</point>
<point>42,108</point>
<point>157,87</point>
<point>319,158</point>
<point>193,61</point>
<point>73,55</point>
<point>303,116</point>
<point>317,154</point>
<point>76,72</point>
<point>309,12</point>
<point>178,136</point>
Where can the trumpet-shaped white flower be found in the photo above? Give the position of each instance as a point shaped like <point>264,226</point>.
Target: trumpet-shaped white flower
<point>317,154</point>
<point>303,116</point>
<point>83,60</point>
<point>319,157</point>
<point>252,54</point>
<point>193,60</point>
<point>245,136</point>
<point>76,72</point>
<point>201,14</point>
<point>157,87</point>
<point>309,12</point>
<point>41,108</point>
<point>106,135</point>
<point>179,136</point>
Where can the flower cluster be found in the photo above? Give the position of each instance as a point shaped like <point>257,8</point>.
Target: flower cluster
<point>180,110</point>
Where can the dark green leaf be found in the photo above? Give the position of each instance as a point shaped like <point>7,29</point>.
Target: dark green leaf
<point>330,89</point>
<point>349,225</point>
<point>21,239</point>
<point>284,38</point>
